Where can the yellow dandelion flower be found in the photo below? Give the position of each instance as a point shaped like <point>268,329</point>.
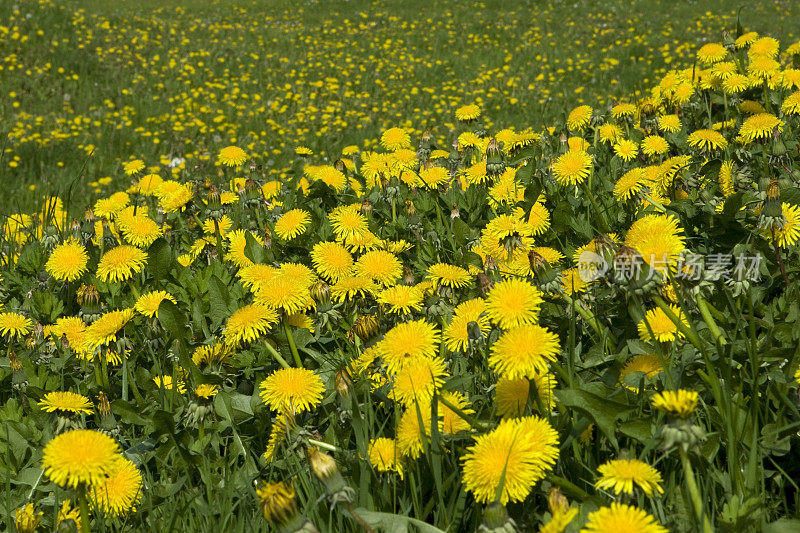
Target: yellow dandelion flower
<point>167,383</point>
<point>380,266</point>
<point>664,330</point>
<point>410,436</point>
<point>140,230</point>
<point>764,46</point>
<point>579,117</point>
<point>27,519</point>
<point>513,302</point>
<point>77,457</point>
<point>14,325</point>
<point>68,261</point>
<point>707,140</point>
<point>237,241</point>
<point>621,475</point>
<point>206,391</point>
<point>791,104</point>
<point>418,380</point>
<point>401,299</point>
<point>121,263</point>
<point>669,123</point>
<point>384,456</point>
<point>248,323</point>
<point>573,167</point>
<point>65,402</point>
<point>292,390</point>
<point>133,167</point>
<point>712,53</point>
<point>759,126</point>
<point>511,395</point>
<point>658,239</point>
<point>518,453</point>
<point>468,112</point>
<point>449,275</point>
<point>148,303</point>
<point>255,276</point>
<point>434,176</point>
<point>347,222</point>
<point>117,493</point>
<point>109,207</point>
<point>626,150</point>
<point>539,218</point>
<point>407,342</point>
<point>351,287</point>
<point>726,178</point>
<point>609,133</point>
<point>648,365</point>
<point>736,83</point>
<point>681,403</point>
<point>745,39</point>
<point>103,331</point>
<point>789,233</point>
<point>450,422</point>
<point>524,351</point>
<point>653,145</point>
<point>292,223</point>
<point>147,185</point>
<point>622,518</point>
<point>457,333</point>
<point>395,139</point>
<point>331,260</point>
<point>285,291</point>
<point>232,156</point>
<point>623,110</point>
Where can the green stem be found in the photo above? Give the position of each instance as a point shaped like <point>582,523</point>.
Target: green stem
<point>292,345</point>
<point>218,234</point>
<point>694,492</point>
<point>569,487</point>
<point>601,218</point>
<point>683,328</point>
<point>702,305</point>
<point>84,508</point>
<point>320,444</point>
<point>461,414</point>
<point>277,356</point>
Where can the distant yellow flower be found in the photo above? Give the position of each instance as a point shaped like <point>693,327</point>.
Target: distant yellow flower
<point>65,402</point>
<point>132,167</point>
<point>579,117</point>
<point>468,112</point>
<point>121,263</point>
<point>622,518</point>
<point>14,325</point>
<point>232,156</point>
<point>292,390</point>
<point>518,453</point>
<point>524,351</point>
<point>681,403</point>
<point>148,303</point>
<point>117,493</point>
<point>573,167</point>
<point>68,261</point>
<point>78,457</point>
<point>621,475</point>
<point>513,302</point>
<point>292,223</point>
<point>248,323</point>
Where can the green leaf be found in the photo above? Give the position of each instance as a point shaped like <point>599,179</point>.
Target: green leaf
<point>220,299</point>
<point>790,195</point>
<point>601,411</point>
<point>394,523</point>
<point>784,525</point>
<point>172,320</point>
<point>252,250</point>
<point>159,260</point>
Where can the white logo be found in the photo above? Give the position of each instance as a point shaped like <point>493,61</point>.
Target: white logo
<point>591,266</point>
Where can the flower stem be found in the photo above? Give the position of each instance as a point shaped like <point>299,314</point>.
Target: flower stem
<point>694,492</point>
<point>702,306</point>
<point>292,345</point>
<point>277,356</point>
<point>84,508</point>
<point>601,218</point>
<point>461,414</point>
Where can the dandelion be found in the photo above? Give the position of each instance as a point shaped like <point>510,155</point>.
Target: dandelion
<point>622,518</point>
<point>384,456</point>
<point>27,519</point>
<point>579,117</point>
<point>380,266</point>
<point>573,167</point>
<point>68,261</point>
<point>347,222</point>
<point>658,239</point>
<point>449,275</point>
<point>248,323</point>
<point>133,167</point>
<point>468,112</point>
<point>237,242</point>
<point>513,302</point>
<point>725,178</point>
<point>621,475</point>
<point>791,104</point>
<point>232,156</point>
<point>759,126</point>
<point>292,390</point>
<point>121,263</point>
<point>117,493</point>
<point>653,145</point>
<point>647,364</point>
<point>277,501</point>
<point>148,303</point>
<point>669,123</point>
<point>65,403</point>
<point>664,330</point>
<point>407,342</point>
<point>79,457</point>
<point>524,351</point>
<point>103,331</point>
<point>285,291</point>
<point>418,380</point>
<point>434,176</point>
<point>736,83</point>
<point>401,299</point>
<point>410,436</point>
<point>457,333</point>
<point>626,150</point>
<point>518,453</point>
<point>630,184</point>
<point>140,230</point>
<point>789,233</point>
<point>352,287</point>
<point>708,140</point>
<point>331,260</point>
<point>511,395</point>
<point>711,53</point>
<point>14,325</point>
<point>167,383</point>
<point>395,139</point>
<point>292,223</point>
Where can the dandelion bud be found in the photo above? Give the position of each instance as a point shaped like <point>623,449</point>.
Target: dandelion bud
<point>365,326</point>
<point>279,507</point>
<point>496,520</point>
<point>88,215</point>
<point>26,519</point>
<point>320,291</point>
<point>557,501</point>
<point>408,276</point>
<point>772,213</point>
<point>340,166</point>
<point>324,467</point>
<point>343,383</point>
<point>484,283</point>
<point>454,212</point>
<point>87,295</point>
<point>366,206</point>
<point>410,209</point>
<point>103,405</point>
<point>494,159</point>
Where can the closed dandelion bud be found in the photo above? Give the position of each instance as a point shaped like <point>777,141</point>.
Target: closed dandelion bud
<point>557,502</point>
<point>103,405</point>
<point>496,520</point>
<point>365,326</point>
<point>366,206</point>
<point>454,212</point>
<point>494,159</point>
<point>324,467</point>
<point>408,276</point>
<point>410,209</point>
<point>547,279</point>
<point>454,158</point>
<point>484,283</point>
<point>279,507</point>
<point>340,166</point>
<point>424,150</point>
<point>320,291</point>
<point>343,383</point>
<point>772,213</point>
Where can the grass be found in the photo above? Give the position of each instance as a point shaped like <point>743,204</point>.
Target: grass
<point>157,80</point>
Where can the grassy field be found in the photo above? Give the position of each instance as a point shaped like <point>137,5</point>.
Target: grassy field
<point>89,85</point>
<point>264,298</point>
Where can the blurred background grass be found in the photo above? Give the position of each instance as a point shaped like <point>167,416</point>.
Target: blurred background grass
<point>158,80</point>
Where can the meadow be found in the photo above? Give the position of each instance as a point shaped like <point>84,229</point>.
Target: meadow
<point>400,267</point>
